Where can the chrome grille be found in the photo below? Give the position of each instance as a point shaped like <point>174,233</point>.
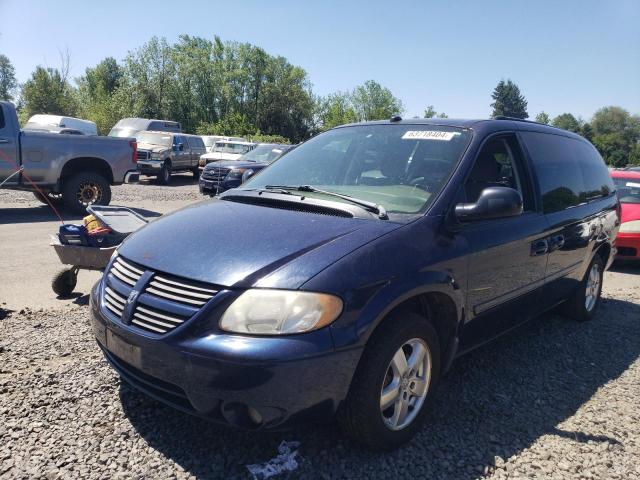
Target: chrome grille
<point>216,174</point>
<point>125,271</point>
<point>144,155</point>
<point>114,301</point>
<point>164,303</point>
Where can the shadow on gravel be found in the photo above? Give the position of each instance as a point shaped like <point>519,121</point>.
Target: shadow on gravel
<point>43,213</point>
<point>628,266</point>
<point>496,401</point>
<point>177,180</point>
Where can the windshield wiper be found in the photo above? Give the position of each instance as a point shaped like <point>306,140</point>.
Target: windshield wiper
<point>369,206</point>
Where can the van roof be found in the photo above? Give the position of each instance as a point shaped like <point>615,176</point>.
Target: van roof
<point>489,123</point>
<point>142,122</point>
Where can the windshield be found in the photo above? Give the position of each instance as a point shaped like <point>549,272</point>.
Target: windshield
<point>123,132</point>
<point>628,189</point>
<point>401,167</point>
<point>263,154</point>
<point>226,147</point>
<point>210,141</point>
<point>162,139</point>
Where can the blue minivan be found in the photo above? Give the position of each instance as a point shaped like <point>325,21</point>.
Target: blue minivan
<point>343,280</point>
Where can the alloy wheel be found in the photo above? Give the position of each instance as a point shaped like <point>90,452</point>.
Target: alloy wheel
<point>593,287</point>
<point>89,193</point>
<point>406,384</point>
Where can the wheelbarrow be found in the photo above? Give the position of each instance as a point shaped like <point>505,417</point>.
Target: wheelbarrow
<point>79,254</point>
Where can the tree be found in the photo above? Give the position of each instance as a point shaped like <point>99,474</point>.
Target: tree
<point>101,96</point>
<point>508,101</point>
<point>372,101</point>
<point>47,91</point>
<point>567,121</point>
<point>8,83</point>
<point>616,134</point>
<point>336,109</point>
<point>430,112</point>
<point>543,117</point>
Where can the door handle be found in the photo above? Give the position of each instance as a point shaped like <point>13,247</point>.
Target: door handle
<point>539,247</point>
<point>558,242</point>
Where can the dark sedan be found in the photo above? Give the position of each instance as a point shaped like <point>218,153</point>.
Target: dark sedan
<point>218,177</point>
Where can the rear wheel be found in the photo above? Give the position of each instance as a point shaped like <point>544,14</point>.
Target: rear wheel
<point>84,189</point>
<point>586,299</point>
<point>393,384</point>
<point>164,177</point>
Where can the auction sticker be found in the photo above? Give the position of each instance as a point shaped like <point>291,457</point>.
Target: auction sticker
<point>428,135</point>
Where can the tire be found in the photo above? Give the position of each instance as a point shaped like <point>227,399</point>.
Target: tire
<point>54,198</point>
<point>164,177</point>
<point>361,415</point>
<point>64,282</point>
<point>84,189</point>
<point>585,300</point>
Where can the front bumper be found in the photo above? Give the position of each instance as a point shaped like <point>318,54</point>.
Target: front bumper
<point>211,187</point>
<point>230,378</point>
<point>628,246</point>
<point>150,167</point>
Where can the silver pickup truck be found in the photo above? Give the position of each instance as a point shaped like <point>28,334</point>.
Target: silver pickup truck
<point>76,170</point>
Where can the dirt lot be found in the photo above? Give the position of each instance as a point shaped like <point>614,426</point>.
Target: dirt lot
<point>554,399</point>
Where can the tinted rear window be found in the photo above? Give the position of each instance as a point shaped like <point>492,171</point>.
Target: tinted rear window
<point>559,176</point>
<point>1,117</point>
<point>195,142</point>
<point>597,181</point>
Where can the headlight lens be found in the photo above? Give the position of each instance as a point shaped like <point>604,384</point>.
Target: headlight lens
<point>280,312</point>
<point>236,172</point>
<point>630,227</point>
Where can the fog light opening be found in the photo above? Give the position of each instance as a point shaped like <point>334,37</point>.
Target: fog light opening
<point>255,416</point>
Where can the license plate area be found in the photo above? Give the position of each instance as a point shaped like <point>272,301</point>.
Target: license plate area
<point>123,350</point>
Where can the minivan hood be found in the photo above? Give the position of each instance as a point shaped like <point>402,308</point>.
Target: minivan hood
<point>240,245</point>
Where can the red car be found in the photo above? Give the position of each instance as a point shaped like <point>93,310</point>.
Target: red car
<point>628,239</point>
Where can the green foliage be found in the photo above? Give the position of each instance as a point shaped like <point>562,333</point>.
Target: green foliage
<point>567,121</point>
<point>370,101</point>
<point>616,134</point>
<point>508,101</point>
<point>260,138</point>
<point>8,82</point>
<point>543,117</point>
<point>47,91</point>
<point>430,112</point>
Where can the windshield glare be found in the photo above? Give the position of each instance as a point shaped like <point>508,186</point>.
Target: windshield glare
<point>162,139</point>
<point>236,148</point>
<point>401,167</point>
<point>628,189</point>
<point>263,153</point>
<point>123,132</point>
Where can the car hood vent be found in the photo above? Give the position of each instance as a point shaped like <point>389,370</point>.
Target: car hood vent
<point>289,205</point>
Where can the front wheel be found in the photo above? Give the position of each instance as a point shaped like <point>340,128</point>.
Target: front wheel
<point>393,384</point>
<point>84,189</point>
<point>64,282</point>
<point>164,177</point>
<point>583,303</point>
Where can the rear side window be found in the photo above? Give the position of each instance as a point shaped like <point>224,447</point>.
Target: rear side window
<point>559,174</point>
<point>195,142</point>
<point>1,117</point>
<point>597,181</point>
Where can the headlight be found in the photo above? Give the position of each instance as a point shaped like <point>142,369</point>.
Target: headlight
<point>202,162</point>
<point>630,227</point>
<point>280,312</point>
<point>155,156</point>
<point>236,172</point>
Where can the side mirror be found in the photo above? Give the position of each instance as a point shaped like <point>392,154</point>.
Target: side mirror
<point>247,174</point>
<point>494,202</point>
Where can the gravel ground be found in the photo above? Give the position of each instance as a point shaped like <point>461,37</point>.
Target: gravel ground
<point>183,187</point>
<point>554,399</point>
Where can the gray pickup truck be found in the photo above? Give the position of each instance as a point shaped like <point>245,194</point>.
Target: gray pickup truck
<point>76,170</point>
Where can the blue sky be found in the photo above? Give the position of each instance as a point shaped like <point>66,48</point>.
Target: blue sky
<point>566,55</point>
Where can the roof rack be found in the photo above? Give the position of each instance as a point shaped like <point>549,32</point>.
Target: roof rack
<point>515,119</point>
